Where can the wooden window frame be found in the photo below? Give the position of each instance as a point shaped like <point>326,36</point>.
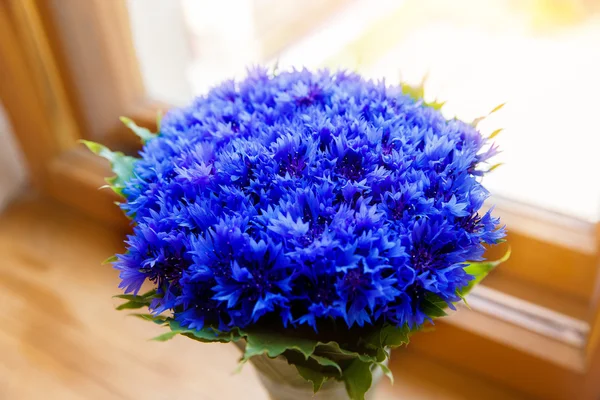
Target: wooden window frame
<point>68,72</point>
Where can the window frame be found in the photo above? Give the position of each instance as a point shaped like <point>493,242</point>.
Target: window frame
<point>68,72</point>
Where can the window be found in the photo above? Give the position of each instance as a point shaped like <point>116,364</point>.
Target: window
<point>70,68</point>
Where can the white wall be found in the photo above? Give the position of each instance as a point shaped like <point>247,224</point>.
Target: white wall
<point>12,168</point>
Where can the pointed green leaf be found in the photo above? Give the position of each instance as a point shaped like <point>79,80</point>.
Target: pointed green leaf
<point>135,300</point>
<point>121,165</point>
<point>165,336</point>
<point>157,319</point>
<point>393,336</point>
<point>151,294</point>
<point>480,270</point>
<point>130,297</point>
<point>416,92</point>
<point>159,117</point>
<point>493,167</point>
<point>358,378</point>
<point>131,305</point>
<point>436,104</point>
<point>206,335</point>
<point>143,133</point>
<point>476,121</point>
<point>315,377</point>
<point>463,298</point>
<point>495,133</point>
<point>140,298</point>
<point>110,260</point>
<point>387,372</point>
<point>332,350</point>
<point>274,344</point>
<point>498,107</point>
<point>326,362</point>
<point>433,309</point>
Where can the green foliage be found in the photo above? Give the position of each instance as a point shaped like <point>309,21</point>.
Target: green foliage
<point>387,372</point>
<point>393,336</point>
<point>417,93</point>
<point>121,165</point>
<point>495,133</point>
<point>498,107</point>
<point>159,117</point>
<point>275,344</point>
<point>326,362</point>
<point>315,377</point>
<point>358,379</point>
<point>493,167</point>
<point>476,121</point>
<point>433,306</point>
<point>480,270</point>
<point>135,301</point>
<point>143,133</point>
<point>109,260</point>
<point>157,319</point>
<point>165,336</point>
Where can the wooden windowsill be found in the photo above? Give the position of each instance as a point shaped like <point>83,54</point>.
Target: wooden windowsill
<point>59,328</point>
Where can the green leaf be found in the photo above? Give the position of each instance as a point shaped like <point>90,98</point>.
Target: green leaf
<point>143,133</point>
<point>146,297</point>
<point>480,270</point>
<point>121,165</point>
<point>433,306</point>
<point>387,372</point>
<point>493,167</point>
<point>274,344</point>
<point>157,319</point>
<point>416,92</point>
<point>433,310</point>
<point>151,294</point>
<point>165,336</point>
<point>358,378</point>
<point>315,377</point>
<point>333,350</point>
<point>131,305</point>
<point>207,335</point>
<point>478,120</point>
<point>495,133</point>
<point>130,297</point>
<point>135,300</point>
<point>436,104</point>
<point>498,107</point>
<point>463,298</point>
<point>159,117</point>
<point>326,362</point>
<point>110,260</point>
<point>393,336</point>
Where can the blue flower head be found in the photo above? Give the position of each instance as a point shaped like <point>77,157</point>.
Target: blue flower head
<point>304,197</point>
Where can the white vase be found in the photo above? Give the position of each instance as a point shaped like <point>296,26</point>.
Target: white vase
<point>283,382</point>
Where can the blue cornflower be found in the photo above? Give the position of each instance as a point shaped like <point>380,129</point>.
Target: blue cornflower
<point>305,197</point>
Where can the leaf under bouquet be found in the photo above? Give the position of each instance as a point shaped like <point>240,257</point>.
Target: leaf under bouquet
<point>316,216</point>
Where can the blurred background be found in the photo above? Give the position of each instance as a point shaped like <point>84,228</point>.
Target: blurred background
<point>70,68</point>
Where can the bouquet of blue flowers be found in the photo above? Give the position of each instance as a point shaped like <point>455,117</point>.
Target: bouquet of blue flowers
<point>315,216</point>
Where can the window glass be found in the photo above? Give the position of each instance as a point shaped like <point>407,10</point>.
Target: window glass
<point>540,57</point>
